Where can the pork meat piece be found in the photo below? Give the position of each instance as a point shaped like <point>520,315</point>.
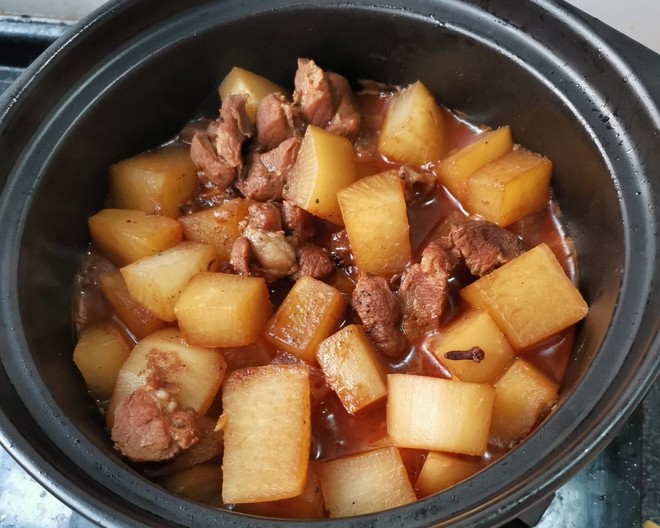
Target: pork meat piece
<point>346,119</point>
<point>149,426</point>
<point>380,313</point>
<point>313,261</point>
<point>484,245</point>
<point>274,255</point>
<point>265,216</point>
<point>277,120</point>
<point>217,152</point>
<point>313,93</point>
<point>340,249</point>
<point>424,288</point>
<point>267,172</point>
<point>326,99</point>
<point>298,223</point>
<point>241,256</point>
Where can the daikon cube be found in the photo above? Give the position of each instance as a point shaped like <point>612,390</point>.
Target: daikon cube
<point>218,226</point>
<point>156,282</point>
<point>156,182</point>
<point>223,310</point>
<point>413,129</point>
<point>99,354</point>
<point>376,219</point>
<point>198,372</point>
<point>257,354</point>
<point>325,164</point>
<point>474,328</point>
<point>368,482</point>
<point>140,321</point>
<point>201,483</point>
<point>513,186</point>
<point>310,312</point>
<point>439,414</point>
<point>308,505</point>
<point>530,297</point>
<point>352,368</point>
<point>523,396</point>
<point>125,235</point>
<point>453,172</point>
<point>267,434</point>
<point>256,87</point>
<point>441,471</point>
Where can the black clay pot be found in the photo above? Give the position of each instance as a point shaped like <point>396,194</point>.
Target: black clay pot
<point>131,75</point>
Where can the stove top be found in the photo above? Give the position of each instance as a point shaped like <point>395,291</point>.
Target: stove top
<point>620,488</point>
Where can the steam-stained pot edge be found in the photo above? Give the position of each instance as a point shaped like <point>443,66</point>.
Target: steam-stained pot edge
<point>109,492</point>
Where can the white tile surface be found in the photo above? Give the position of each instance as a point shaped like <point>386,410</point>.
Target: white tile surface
<point>65,9</point>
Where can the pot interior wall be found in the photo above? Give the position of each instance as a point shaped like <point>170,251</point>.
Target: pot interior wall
<point>149,88</point>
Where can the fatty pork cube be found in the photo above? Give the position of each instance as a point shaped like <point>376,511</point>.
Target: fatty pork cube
<point>156,282</point>
<point>308,505</point>
<point>413,130</point>
<point>126,235</point>
<point>454,171</point>
<point>530,298</point>
<point>218,226</point>
<point>442,470</point>
<point>351,367</point>
<point>155,182</point>
<point>513,186</point>
<point>99,354</point>
<point>474,328</point>
<point>223,310</point>
<point>197,371</point>
<point>523,396</point>
<point>240,81</point>
<point>310,312</point>
<point>368,482</point>
<point>267,433</point>
<point>256,354</point>
<point>376,219</point>
<point>325,164</point>
<point>439,414</point>
<point>140,321</point>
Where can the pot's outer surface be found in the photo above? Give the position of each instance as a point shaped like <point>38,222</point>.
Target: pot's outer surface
<point>129,76</point>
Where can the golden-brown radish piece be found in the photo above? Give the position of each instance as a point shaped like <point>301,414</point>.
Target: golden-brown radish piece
<point>310,312</point>
<point>474,328</point>
<point>453,172</point>
<point>140,321</point>
<point>439,414</point>
<point>267,434</point>
<point>156,282</point>
<point>200,483</point>
<point>218,226</point>
<point>256,87</point>
<point>125,235</point>
<point>530,298</point>
<point>155,182</point>
<point>513,186</point>
<point>99,354</point>
<point>523,396</point>
<point>223,310</point>
<point>442,470</point>
<point>374,211</point>
<point>308,505</point>
<point>352,368</point>
<point>413,130</point>
<point>365,483</point>
<point>325,164</point>
<point>198,372</point>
